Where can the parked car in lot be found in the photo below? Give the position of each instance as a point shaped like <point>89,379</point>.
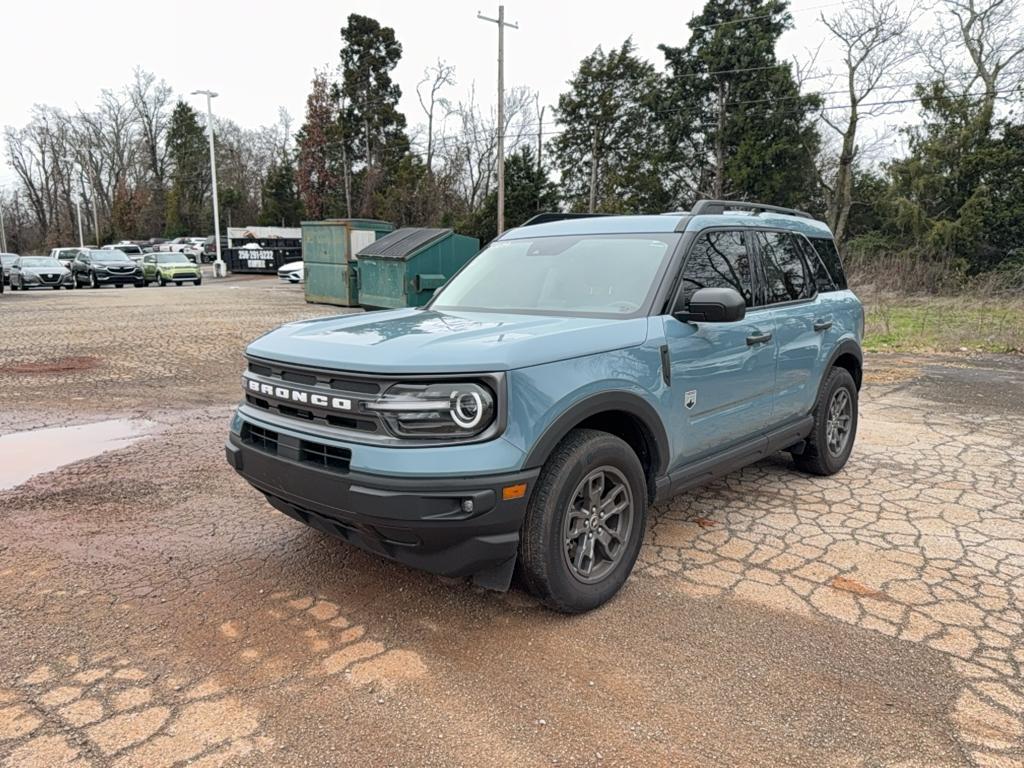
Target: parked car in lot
<point>164,268</point>
<point>131,250</point>
<point>96,268</point>
<point>65,256</point>
<point>39,272</point>
<point>570,375</point>
<point>6,262</point>
<point>293,272</point>
<point>210,248</point>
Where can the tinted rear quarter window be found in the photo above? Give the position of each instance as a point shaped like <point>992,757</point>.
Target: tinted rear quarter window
<point>829,255</point>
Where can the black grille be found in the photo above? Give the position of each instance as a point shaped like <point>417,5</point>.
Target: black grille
<point>326,456</point>
<point>260,438</point>
<point>356,387</point>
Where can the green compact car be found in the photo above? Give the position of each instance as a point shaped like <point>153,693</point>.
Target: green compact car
<point>164,268</point>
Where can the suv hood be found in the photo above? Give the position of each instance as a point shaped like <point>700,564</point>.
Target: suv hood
<point>428,341</point>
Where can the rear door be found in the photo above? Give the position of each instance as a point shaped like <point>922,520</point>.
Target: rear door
<point>723,374</point>
<point>790,294</point>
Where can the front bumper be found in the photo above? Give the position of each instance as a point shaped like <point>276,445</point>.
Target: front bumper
<point>107,278</point>
<point>420,522</point>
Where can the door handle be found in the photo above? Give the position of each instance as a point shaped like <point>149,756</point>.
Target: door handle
<point>758,338</point>
<point>822,325</point>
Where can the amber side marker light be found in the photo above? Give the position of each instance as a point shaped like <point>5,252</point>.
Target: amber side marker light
<point>510,492</point>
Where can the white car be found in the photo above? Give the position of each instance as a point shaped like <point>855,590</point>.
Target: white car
<point>293,272</point>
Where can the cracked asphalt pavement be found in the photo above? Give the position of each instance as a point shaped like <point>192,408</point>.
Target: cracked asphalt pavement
<point>155,611</point>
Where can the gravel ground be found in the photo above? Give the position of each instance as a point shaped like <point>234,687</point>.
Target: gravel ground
<point>154,611</point>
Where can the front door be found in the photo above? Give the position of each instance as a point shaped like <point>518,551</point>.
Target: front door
<point>801,322</point>
<point>723,374</point>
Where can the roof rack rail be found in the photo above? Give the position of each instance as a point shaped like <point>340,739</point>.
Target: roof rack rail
<point>718,207</point>
<point>544,218</point>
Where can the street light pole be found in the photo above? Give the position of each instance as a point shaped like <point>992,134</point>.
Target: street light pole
<point>78,207</point>
<point>500,21</point>
<point>3,229</point>
<point>219,269</point>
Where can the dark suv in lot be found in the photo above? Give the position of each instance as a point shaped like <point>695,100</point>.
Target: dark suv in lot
<point>96,268</point>
<point>574,372</point>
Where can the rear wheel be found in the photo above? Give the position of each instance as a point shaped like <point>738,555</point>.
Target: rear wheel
<point>585,522</point>
<point>835,426</point>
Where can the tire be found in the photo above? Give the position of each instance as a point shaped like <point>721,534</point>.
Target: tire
<point>140,283</point>
<point>822,455</point>
<point>12,286</point>
<point>119,285</point>
<point>198,282</point>
<point>160,281</point>
<point>548,540</point>
<point>56,287</point>
<point>93,282</point>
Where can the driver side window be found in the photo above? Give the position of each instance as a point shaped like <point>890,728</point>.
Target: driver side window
<point>716,260</point>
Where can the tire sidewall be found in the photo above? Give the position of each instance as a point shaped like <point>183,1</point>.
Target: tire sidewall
<point>565,588</point>
<point>838,379</point>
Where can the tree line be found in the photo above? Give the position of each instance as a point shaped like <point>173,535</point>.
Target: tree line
<point>722,116</point>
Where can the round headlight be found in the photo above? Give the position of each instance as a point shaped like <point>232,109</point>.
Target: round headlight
<point>467,408</point>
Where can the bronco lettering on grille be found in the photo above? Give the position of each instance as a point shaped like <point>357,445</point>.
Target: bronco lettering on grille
<point>298,396</point>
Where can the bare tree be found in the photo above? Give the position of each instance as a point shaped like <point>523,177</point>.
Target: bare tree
<point>438,76</point>
<point>874,38</point>
<point>474,148</point>
<point>977,49</point>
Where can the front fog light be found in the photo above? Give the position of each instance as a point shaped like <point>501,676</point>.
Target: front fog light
<point>455,409</point>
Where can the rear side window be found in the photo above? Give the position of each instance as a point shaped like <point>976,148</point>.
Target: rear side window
<point>717,260</point>
<point>786,274</point>
<point>826,250</point>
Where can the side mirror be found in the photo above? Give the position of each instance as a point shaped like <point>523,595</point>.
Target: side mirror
<point>714,305</point>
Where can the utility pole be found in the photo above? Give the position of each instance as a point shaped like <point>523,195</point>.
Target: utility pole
<point>540,135</point>
<point>593,172</point>
<point>219,269</point>
<point>500,21</point>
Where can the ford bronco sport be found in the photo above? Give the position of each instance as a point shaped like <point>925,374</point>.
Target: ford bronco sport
<point>576,371</point>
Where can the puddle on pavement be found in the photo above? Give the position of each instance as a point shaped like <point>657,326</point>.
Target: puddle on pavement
<point>24,455</point>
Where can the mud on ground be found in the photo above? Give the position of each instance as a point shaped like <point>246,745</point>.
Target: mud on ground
<point>155,611</point>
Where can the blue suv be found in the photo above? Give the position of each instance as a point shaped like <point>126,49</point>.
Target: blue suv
<point>576,371</point>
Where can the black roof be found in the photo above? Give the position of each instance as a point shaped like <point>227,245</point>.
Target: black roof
<point>404,242</point>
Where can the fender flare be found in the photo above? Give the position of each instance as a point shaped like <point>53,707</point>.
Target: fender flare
<point>846,346</point>
<point>612,400</point>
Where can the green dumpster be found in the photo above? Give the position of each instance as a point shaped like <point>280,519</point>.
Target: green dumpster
<point>328,250</point>
<point>405,267</point>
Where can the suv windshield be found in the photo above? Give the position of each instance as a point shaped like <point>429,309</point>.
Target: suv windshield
<point>172,258</point>
<point>40,261</point>
<point>577,274</point>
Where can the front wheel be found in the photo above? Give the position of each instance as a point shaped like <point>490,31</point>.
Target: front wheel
<point>93,282</point>
<point>198,282</point>
<point>835,426</point>
<point>585,522</point>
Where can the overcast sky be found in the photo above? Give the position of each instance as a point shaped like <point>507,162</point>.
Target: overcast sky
<point>261,55</point>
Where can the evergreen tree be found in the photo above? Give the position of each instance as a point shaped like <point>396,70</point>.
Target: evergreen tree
<point>959,194</point>
<point>281,206</point>
<point>735,114</point>
<point>610,148</point>
<point>374,129</point>
<point>188,156</point>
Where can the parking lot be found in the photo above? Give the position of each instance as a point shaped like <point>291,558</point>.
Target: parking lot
<point>154,611</point>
